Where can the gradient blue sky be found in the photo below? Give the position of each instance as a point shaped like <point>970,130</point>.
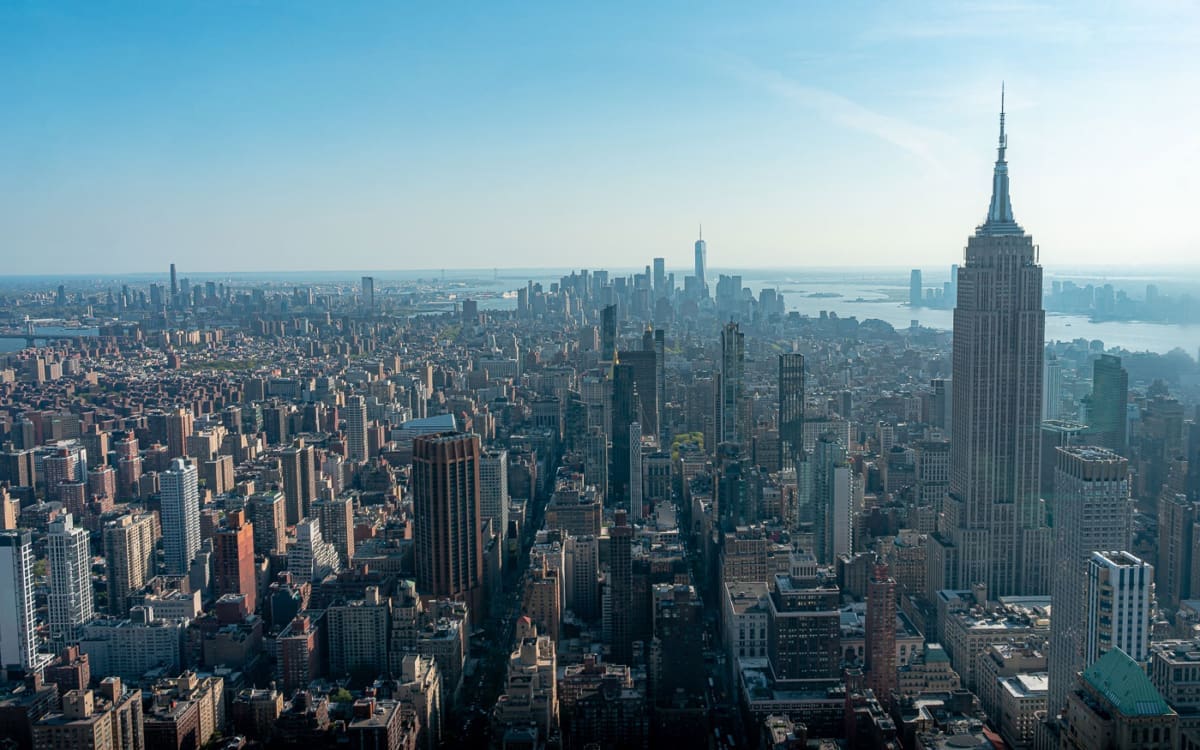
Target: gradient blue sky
<point>329,135</point>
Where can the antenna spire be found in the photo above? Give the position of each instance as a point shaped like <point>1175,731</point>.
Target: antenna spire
<point>1002,139</point>
<point>701,232</point>
<point>1000,215</point>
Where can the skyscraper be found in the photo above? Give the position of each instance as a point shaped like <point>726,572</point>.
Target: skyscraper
<point>660,277</point>
<point>337,525</point>
<point>299,470</point>
<point>493,489</point>
<point>70,600</point>
<point>1110,392</point>
<point>626,409</point>
<point>1119,606</point>
<point>18,626</point>
<point>447,539</point>
<point>654,396</point>
<point>179,425</point>
<point>881,634</point>
<point>233,558</point>
<point>733,369</point>
<point>994,528</point>
<point>1052,388</point>
<point>1177,530</point>
<point>180,516</point>
<point>129,555</point>
<point>915,291</point>
<point>368,294</point>
<point>608,333</point>
<point>791,409</point>
<point>832,484</point>
<point>701,261</point>
<point>621,587</point>
<point>1092,511</point>
<point>356,428</point>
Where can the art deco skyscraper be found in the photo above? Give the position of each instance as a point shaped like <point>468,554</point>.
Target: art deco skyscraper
<point>180,516</point>
<point>448,539</point>
<point>994,529</point>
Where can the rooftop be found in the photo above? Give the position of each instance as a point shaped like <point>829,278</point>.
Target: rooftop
<point>1123,683</point>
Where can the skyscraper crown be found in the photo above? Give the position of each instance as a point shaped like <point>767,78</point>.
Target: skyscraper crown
<point>1000,219</point>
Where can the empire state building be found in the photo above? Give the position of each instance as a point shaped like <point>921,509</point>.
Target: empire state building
<point>993,524</point>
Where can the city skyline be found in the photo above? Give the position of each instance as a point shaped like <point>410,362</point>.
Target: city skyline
<point>792,135</point>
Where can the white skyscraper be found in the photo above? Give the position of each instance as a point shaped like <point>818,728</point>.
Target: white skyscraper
<point>1052,387</point>
<point>493,489</point>
<point>1118,606</point>
<point>180,516</point>
<point>18,634</point>
<point>70,601</point>
<point>356,428</point>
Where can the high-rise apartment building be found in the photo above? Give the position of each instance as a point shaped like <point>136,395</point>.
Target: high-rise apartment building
<point>179,490</point>
<point>447,534</point>
<point>881,673</point>
<point>70,599</point>
<point>179,427</point>
<point>493,489</point>
<point>234,571</point>
<point>129,555</point>
<point>995,529</point>
<point>356,428</point>
<point>18,625</point>
<point>1119,605</point>
<point>267,515</point>
<point>299,469</point>
<point>791,409</point>
<point>1092,512</point>
<point>337,525</point>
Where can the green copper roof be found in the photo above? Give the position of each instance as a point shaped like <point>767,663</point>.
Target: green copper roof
<point>1122,681</point>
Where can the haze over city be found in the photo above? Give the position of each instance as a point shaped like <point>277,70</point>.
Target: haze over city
<point>540,377</point>
<point>250,136</point>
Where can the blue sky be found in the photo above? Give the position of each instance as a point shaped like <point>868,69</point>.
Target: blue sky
<point>322,135</point>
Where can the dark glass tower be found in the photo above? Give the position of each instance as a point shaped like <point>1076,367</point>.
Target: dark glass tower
<point>447,539</point>
<point>1110,392</point>
<point>791,409</point>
